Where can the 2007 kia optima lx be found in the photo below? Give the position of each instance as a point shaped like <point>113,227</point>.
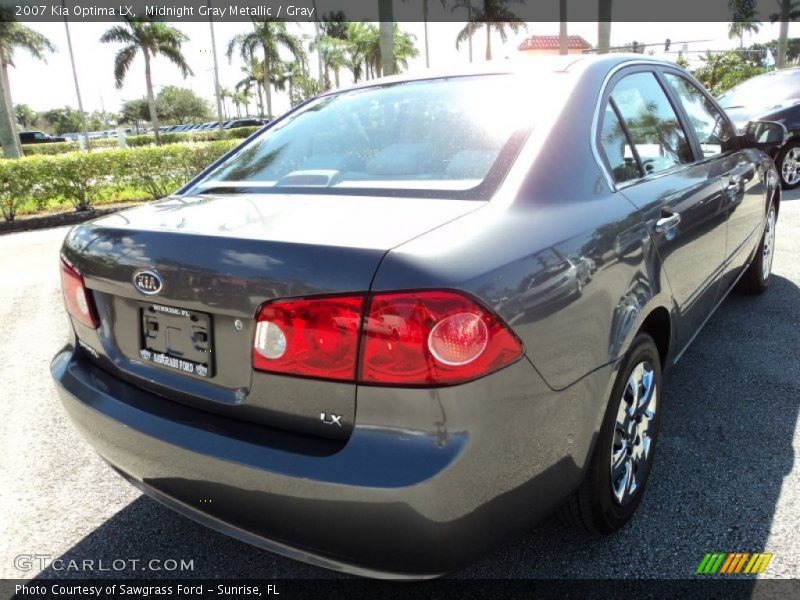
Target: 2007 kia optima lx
<point>410,318</point>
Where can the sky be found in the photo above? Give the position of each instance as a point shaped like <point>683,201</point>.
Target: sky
<point>43,86</point>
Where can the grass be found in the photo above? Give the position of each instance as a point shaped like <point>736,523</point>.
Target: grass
<point>111,195</point>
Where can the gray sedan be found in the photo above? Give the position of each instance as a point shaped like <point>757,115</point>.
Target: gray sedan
<point>411,318</point>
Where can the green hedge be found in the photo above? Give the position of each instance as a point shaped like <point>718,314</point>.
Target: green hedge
<point>54,148</point>
<point>80,178</point>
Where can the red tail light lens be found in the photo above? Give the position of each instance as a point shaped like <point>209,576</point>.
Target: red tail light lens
<point>432,338</point>
<point>408,338</point>
<point>315,337</point>
<point>77,299</point>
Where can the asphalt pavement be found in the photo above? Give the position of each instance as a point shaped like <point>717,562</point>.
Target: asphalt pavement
<point>726,476</point>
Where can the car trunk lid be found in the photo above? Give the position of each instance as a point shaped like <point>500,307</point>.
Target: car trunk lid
<point>218,259</point>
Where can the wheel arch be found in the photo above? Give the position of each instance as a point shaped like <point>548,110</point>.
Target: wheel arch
<point>658,325</point>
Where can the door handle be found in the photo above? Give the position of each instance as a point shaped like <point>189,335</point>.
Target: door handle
<point>734,187</point>
<point>737,181</point>
<point>667,223</point>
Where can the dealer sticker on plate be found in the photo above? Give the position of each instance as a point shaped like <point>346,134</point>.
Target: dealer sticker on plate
<point>178,364</point>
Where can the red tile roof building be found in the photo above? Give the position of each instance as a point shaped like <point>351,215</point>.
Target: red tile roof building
<point>549,44</point>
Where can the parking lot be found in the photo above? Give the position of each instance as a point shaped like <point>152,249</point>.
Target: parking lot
<point>726,476</point>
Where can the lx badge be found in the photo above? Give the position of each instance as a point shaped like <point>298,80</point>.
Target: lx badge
<point>331,419</point>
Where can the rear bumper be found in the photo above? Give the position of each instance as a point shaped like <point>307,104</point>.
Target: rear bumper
<point>428,481</point>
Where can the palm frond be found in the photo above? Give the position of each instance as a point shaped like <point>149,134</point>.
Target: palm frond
<point>119,34</point>
<point>122,62</point>
<point>175,56</point>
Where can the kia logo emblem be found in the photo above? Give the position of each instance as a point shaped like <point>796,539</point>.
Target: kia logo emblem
<point>148,282</point>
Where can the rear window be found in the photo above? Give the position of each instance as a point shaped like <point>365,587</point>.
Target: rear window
<point>764,90</point>
<point>448,136</point>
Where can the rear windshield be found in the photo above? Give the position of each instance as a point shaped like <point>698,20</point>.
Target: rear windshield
<point>766,90</point>
<point>448,136</point>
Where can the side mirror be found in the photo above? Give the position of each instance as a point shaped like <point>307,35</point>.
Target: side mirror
<point>765,134</point>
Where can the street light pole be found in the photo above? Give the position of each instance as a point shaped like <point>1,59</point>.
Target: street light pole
<point>216,70</point>
<point>84,128</point>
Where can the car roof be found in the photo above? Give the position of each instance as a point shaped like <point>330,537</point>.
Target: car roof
<point>517,66</point>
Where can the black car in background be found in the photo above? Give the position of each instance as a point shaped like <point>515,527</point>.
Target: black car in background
<point>773,96</point>
<point>39,137</point>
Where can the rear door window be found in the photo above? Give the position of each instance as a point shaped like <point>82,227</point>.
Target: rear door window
<point>654,127</point>
<point>618,152</point>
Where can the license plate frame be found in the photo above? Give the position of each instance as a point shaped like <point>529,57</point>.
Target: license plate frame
<point>177,339</point>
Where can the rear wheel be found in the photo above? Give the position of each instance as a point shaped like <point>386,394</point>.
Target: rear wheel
<point>756,278</point>
<point>623,456</point>
<point>788,163</point>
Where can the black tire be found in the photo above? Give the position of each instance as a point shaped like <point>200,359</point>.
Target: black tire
<point>594,507</point>
<point>779,160</point>
<point>754,281</point>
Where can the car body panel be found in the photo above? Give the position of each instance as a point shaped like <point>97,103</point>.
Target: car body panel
<point>414,492</point>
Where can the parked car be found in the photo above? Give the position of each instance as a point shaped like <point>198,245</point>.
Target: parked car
<point>773,96</point>
<point>244,123</point>
<point>395,244</point>
<point>39,137</point>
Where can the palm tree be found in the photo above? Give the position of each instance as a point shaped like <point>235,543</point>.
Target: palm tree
<point>603,26</point>
<point>789,11</point>
<point>15,35</point>
<point>268,37</point>
<point>744,21</point>
<point>254,77</point>
<point>363,48</point>
<point>224,94</point>
<point>386,19</point>
<point>244,95</point>
<point>563,38</point>
<point>493,14</point>
<point>152,37</point>
<point>333,53</point>
<point>404,49</point>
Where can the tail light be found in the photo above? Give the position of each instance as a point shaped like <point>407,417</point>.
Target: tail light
<point>77,299</point>
<point>313,338</point>
<point>406,338</point>
<point>434,338</point>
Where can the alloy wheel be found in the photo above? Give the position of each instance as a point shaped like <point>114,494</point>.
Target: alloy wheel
<point>634,429</point>
<point>790,166</point>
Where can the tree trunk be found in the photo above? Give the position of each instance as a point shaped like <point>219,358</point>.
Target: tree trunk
<point>386,18</point>
<point>783,36</point>
<point>7,92</point>
<point>563,40</point>
<point>260,100</point>
<point>604,26</point>
<point>425,21</point>
<point>151,99</point>
<point>336,77</point>
<point>488,40</point>
<point>469,21</point>
<point>317,36</point>
<point>267,83</point>
<point>8,130</point>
